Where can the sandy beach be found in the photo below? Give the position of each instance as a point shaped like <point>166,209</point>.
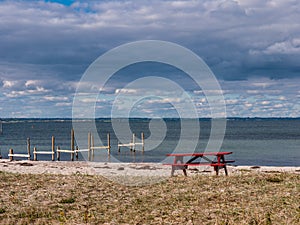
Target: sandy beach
<point>64,192</point>
<point>123,169</point>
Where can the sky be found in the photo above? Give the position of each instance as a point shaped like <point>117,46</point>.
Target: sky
<point>251,46</point>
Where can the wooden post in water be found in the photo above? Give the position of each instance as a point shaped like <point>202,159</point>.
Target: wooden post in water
<point>89,146</point>
<point>72,144</point>
<point>28,148</point>
<point>11,152</point>
<point>93,145</point>
<point>34,154</point>
<point>53,147</point>
<point>76,153</point>
<point>108,143</point>
<point>133,142</point>
<point>58,153</point>
<point>143,143</point>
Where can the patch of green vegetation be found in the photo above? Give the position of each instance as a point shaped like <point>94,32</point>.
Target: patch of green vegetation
<point>2,210</point>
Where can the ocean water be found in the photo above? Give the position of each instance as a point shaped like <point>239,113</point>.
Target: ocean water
<point>266,142</point>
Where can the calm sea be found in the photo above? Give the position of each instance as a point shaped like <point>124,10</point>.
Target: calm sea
<point>269,142</point>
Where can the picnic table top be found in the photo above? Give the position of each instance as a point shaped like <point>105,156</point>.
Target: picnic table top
<point>200,154</point>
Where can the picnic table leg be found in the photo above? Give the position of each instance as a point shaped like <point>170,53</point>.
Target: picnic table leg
<point>173,170</point>
<point>174,167</point>
<point>226,172</point>
<point>217,170</point>
<point>184,171</point>
<point>217,167</point>
<point>221,159</point>
<point>225,168</point>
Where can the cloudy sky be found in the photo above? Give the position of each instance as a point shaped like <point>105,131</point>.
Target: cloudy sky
<point>252,47</point>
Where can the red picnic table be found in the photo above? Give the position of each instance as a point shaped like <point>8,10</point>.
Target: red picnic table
<point>218,163</point>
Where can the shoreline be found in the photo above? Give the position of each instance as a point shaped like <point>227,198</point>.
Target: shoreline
<point>126,169</point>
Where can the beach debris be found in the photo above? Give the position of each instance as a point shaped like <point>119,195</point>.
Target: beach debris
<point>274,179</point>
<point>143,168</point>
<point>254,167</point>
<point>102,167</point>
<point>25,164</point>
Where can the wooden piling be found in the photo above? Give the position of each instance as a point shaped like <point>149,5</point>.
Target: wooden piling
<point>72,144</point>
<point>108,143</point>
<point>133,142</point>
<point>58,153</point>
<point>28,148</point>
<point>34,154</point>
<point>143,142</point>
<point>11,152</point>
<point>93,145</point>
<point>89,146</point>
<point>52,152</point>
<point>76,153</point>
<point>53,147</point>
<point>132,145</point>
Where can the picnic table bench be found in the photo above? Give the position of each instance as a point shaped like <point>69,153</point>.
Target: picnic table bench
<point>218,162</point>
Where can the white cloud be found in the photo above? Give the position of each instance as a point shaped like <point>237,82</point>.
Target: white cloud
<point>285,47</point>
<point>63,104</point>
<point>209,92</point>
<point>248,105</point>
<point>9,83</point>
<point>56,98</point>
<point>164,100</point>
<point>126,91</point>
<point>265,102</point>
<point>30,83</point>
<point>254,91</point>
<point>278,106</point>
<point>262,84</point>
<point>282,98</point>
<point>37,91</point>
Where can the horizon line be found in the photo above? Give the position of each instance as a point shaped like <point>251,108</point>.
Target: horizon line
<point>70,118</point>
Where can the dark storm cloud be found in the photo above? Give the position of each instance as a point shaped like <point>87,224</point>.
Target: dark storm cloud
<point>54,43</point>
<point>232,36</point>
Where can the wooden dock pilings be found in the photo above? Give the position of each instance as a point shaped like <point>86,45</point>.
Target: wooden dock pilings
<point>91,147</point>
<point>11,153</point>
<point>132,145</point>
<point>52,152</point>
<point>74,150</point>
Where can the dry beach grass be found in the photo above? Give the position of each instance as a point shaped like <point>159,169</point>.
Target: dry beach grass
<point>242,198</point>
